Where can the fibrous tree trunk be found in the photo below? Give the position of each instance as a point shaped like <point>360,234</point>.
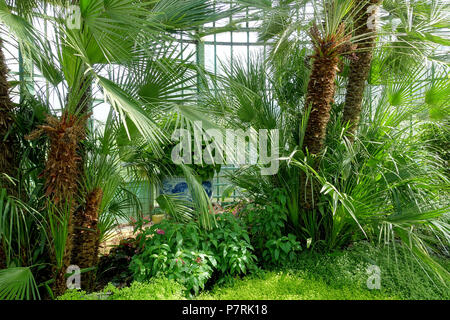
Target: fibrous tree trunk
<point>85,232</point>
<point>64,171</point>
<point>320,96</point>
<point>321,85</point>
<point>365,33</point>
<point>321,89</point>
<point>61,176</point>
<point>86,239</point>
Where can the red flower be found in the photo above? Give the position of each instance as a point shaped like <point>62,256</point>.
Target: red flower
<point>160,231</point>
<point>198,260</point>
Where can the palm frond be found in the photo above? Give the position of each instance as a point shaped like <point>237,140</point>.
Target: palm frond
<point>18,284</point>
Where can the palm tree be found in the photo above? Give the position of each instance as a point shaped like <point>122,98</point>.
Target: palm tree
<point>411,40</point>
<point>331,40</point>
<point>330,36</point>
<point>360,66</point>
<point>328,47</point>
<point>80,49</point>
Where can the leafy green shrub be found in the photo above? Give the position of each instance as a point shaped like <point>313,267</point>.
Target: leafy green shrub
<point>266,223</point>
<point>191,255</point>
<point>231,245</point>
<point>266,220</point>
<point>191,268</point>
<point>282,250</point>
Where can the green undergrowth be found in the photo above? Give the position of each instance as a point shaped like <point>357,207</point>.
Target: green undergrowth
<point>290,285</point>
<point>155,289</point>
<point>341,275</point>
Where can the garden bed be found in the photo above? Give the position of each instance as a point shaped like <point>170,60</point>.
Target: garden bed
<point>338,276</point>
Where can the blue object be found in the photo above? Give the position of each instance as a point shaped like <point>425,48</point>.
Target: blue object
<point>179,186</point>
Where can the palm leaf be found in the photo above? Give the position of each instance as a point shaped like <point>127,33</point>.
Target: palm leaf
<point>18,284</point>
<point>176,207</point>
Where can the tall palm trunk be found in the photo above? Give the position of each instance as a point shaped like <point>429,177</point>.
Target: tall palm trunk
<point>321,85</point>
<point>85,232</point>
<point>320,96</point>
<point>64,174</point>
<point>321,89</point>
<point>359,68</point>
<point>61,178</point>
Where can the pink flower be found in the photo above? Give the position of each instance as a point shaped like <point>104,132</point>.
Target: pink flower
<point>147,220</point>
<point>160,231</point>
<point>198,260</point>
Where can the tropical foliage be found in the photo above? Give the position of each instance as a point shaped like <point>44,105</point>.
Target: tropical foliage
<point>360,107</point>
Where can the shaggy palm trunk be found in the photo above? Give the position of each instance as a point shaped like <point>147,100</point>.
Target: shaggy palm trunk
<point>321,85</point>
<point>64,173</point>
<point>86,233</point>
<point>320,95</point>
<point>85,212</point>
<point>360,67</point>
<point>86,241</point>
<point>61,178</point>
